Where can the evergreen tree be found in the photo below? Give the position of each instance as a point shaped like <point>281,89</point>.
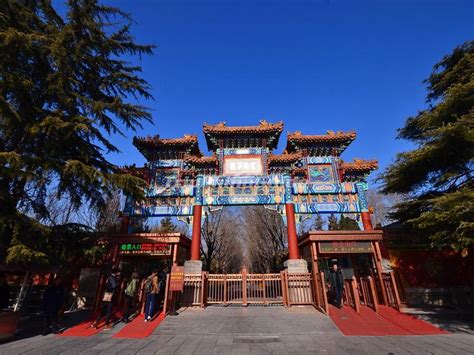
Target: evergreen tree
<point>347,224</point>
<point>318,223</point>
<point>332,222</point>
<point>65,87</point>
<point>167,225</point>
<point>438,174</point>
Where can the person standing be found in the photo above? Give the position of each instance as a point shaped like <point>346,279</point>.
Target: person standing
<point>336,284</point>
<point>53,300</point>
<point>4,292</point>
<point>151,292</point>
<point>161,285</point>
<point>130,292</point>
<point>106,306</point>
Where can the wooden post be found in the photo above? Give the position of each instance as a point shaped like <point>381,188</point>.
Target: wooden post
<point>314,261</point>
<point>325,296</point>
<point>244,286</point>
<point>356,294</point>
<point>203,289</point>
<point>165,303</point>
<point>225,289</point>
<point>374,294</point>
<point>175,253</point>
<point>264,291</point>
<point>395,290</point>
<point>283,289</point>
<point>314,254</point>
<point>378,266</point>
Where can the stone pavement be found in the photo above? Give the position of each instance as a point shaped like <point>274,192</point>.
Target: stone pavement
<point>244,330</point>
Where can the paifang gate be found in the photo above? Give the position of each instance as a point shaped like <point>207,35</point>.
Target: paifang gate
<point>309,177</point>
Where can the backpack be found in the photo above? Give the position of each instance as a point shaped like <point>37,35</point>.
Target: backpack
<point>110,285</point>
<point>148,285</point>
<point>131,288</point>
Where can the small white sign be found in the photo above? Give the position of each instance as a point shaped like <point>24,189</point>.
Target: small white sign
<point>241,165</point>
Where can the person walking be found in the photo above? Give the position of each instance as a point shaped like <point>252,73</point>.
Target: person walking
<point>336,284</point>
<point>151,292</point>
<point>130,292</point>
<point>106,306</point>
<point>53,300</point>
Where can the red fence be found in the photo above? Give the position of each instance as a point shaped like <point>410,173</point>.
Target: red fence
<point>283,288</point>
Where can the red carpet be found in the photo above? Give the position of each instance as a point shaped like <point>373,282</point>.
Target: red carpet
<point>84,329</point>
<point>138,328</point>
<point>388,322</point>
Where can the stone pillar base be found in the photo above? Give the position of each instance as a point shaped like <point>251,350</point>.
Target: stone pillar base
<point>296,266</point>
<point>192,266</point>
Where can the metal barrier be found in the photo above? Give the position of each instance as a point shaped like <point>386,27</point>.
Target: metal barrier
<point>391,290</point>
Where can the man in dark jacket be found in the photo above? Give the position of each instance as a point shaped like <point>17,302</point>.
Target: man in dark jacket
<point>53,300</point>
<point>111,286</point>
<point>336,284</point>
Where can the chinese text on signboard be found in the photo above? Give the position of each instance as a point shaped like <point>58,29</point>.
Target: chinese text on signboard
<point>243,165</point>
<point>145,249</point>
<point>345,247</point>
<point>177,278</point>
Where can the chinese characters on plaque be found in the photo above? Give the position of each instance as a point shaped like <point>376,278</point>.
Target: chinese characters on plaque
<point>241,165</point>
<point>145,249</point>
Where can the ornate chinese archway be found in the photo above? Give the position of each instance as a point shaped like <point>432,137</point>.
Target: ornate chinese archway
<point>308,178</point>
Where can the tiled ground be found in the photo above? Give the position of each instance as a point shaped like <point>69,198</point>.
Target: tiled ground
<point>241,330</point>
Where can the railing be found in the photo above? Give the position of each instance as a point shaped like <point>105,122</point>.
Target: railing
<point>264,289</point>
<point>234,289</point>
<point>300,289</point>
<point>351,294</point>
<point>391,289</point>
<point>367,293</point>
<point>192,290</point>
<point>286,289</point>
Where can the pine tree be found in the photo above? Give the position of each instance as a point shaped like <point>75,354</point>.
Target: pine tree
<point>167,225</point>
<point>65,87</point>
<point>438,174</point>
<point>332,222</point>
<point>347,224</point>
<point>318,223</point>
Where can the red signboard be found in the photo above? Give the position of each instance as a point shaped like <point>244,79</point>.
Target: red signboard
<point>177,278</point>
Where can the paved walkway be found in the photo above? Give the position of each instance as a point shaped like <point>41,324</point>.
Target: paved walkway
<point>239,330</point>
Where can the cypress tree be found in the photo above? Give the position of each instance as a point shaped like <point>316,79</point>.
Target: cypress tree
<point>65,87</point>
<point>438,174</point>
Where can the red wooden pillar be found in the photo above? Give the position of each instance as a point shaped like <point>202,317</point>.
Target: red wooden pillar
<point>293,252</point>
<point>366,221</point>
<point>196,239</point>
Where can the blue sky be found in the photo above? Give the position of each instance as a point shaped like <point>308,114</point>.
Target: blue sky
<point>316,65</point>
